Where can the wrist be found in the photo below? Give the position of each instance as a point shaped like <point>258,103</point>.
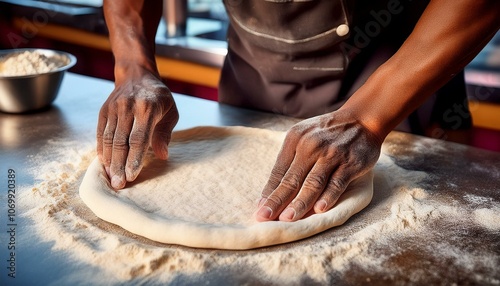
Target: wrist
<point>347,114</point>
<point>126,69</point>
<point>382,102</point>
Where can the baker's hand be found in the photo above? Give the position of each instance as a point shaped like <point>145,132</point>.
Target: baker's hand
<point>140,112</point>
<point>319,158</point>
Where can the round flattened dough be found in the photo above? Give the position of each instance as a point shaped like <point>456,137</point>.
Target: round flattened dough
<point>205,194</point>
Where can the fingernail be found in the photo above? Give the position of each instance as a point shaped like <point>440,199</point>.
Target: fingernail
<point>288,214</point>
<point>320,205</point>
<point>116,182</point>
<point>265,212</point>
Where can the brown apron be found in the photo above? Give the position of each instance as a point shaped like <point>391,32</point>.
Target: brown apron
<point>296,57</point>
<point>284,56</point>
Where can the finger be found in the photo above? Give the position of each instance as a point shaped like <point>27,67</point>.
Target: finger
<point>139,139</point>
<point>163,132</point>
<point>285,192</point>
<point>120,151</point>
<point>101,126</point>
<point>284,160</point>
<point>337,184</point>
<point>107,142</point>
<point>312,188</point>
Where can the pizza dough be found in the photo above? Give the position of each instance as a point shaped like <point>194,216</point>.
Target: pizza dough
<point>205,194</point>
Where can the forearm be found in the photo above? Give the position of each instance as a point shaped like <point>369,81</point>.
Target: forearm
<point>447,37</point>
<point>132,28</point>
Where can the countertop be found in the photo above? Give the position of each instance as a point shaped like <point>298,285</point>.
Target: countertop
<point>454,177</point>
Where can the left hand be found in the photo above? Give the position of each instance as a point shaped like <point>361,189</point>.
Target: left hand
<point>139,113</point>
<point>319,158</point>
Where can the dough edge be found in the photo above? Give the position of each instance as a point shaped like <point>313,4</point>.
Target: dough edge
<point>97,194</point>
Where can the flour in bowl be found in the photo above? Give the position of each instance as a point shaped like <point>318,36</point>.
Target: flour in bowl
<point>30,63</point>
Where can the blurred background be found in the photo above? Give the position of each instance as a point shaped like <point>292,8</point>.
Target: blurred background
<point>190,63</point>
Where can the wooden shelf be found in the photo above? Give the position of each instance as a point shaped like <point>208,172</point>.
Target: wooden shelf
<point>169,68</point>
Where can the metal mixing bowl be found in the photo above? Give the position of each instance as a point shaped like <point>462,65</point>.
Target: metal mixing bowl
<point>25,93</point>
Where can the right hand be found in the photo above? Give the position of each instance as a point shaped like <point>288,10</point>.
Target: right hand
<point>140,112</point>
<point>319,158</point>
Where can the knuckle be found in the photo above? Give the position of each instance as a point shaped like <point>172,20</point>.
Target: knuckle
<point>147,105</point>
<point>336,185</point>
<point>294,131</point>
<point>107,138</point>
<point>275,201</point>
<point>138,138</point>
<point>291,182</point>
<point>120,142</point>
<point>318,141</point>
<point>111,108</point>
<point>276,176</point>
<point>103,116</point>
<point>122,102</point>
<point>294,134</point>
<point>315,182</point>
<point>99,136</point>
<point>300,205</point>
<point>142,105</point>
<point>332,152</point>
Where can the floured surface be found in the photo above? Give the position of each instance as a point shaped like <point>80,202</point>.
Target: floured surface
<point>205,194</point>
<point>425,225</point>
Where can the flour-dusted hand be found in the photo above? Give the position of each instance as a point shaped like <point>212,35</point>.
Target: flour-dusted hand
<point>140,112</point>
<point>319,158</point>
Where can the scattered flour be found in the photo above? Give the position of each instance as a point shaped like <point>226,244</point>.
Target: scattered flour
<point>29,63</point>
<point>478,200</point>
<point>488,218</point>
<point>401,218</point>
